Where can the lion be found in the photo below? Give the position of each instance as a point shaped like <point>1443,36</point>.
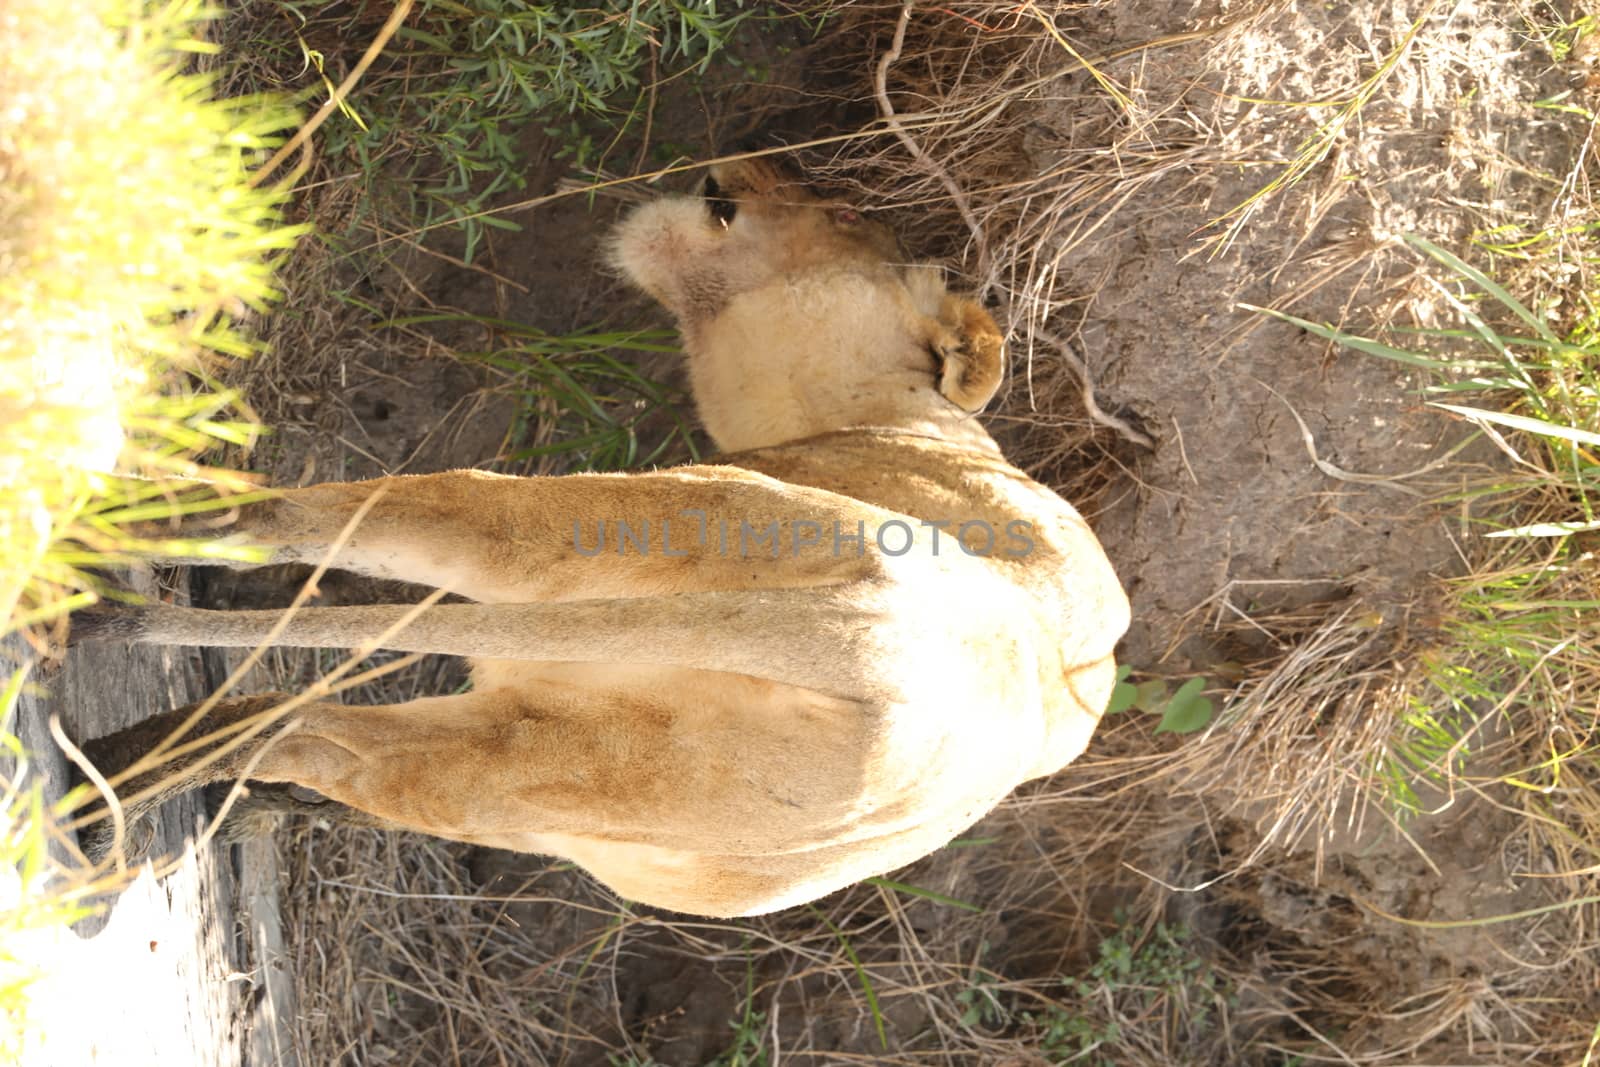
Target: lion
<point>722,689</point>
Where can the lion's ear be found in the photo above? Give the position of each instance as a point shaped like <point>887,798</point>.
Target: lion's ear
<point>972,357</point>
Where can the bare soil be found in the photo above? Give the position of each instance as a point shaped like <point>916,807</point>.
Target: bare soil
<point>1230,516</point>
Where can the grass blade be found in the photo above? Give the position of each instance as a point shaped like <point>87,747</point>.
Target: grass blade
<point>1523,422</point>
<point>1484,282</point>
<point>1547,529</point>
<point>861,976</point>
<point>1369,345</point>
<point>926,894</point>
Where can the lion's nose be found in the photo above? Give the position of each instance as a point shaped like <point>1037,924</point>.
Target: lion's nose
<point>722,209</point>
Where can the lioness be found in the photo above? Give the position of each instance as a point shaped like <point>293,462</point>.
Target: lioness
<point>728,688</point>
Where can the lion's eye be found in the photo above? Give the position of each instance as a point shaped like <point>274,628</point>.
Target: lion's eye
<point>722,209</point>
<point>846,216</point>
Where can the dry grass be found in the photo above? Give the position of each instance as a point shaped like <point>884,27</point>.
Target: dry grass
<point>977,168</point>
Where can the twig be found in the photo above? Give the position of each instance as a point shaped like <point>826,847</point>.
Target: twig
<point>1387,481</point>
<point>303,134</point>
<point>1183,453</point>
<point>891,119</point>
<point>1081,369</point>
<point>455,261</point>
<point>119,824</point>
<point>649,113</point>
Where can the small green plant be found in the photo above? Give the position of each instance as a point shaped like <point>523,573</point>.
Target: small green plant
<point>1186,711</point>
<point>434,128</point>
<point>1135,977</point>
<point>748,1048</point>
<point>981,1002</point>
<point>1142,982</point>
<point>576,398</point>
<point>1558,37</point>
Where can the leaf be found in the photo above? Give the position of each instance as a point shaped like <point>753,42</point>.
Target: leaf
<point>971,842</point>
<point>1151,695</point>
<point>1123,696</point>
<point>1123,693</point>
<point>1188,711</point>
<point>1363,344</point>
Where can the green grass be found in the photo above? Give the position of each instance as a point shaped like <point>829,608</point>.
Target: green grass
<point>434,127</point>
<point>1558,36</point>
<point>1135,977</point>
<point>1143,983</point>
<point>748,1048</point>
<point>435,134</point>
<point>133,244</point>
<point>576,399</point>
<point>1518,637</point>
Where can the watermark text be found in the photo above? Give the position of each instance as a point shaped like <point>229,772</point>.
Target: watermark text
<point>692,532</point>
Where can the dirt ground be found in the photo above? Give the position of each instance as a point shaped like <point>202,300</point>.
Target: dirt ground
<point>1231,518</point>
<point>1237,549</point>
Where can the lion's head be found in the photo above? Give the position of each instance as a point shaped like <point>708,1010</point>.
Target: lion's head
<point>801,315</point>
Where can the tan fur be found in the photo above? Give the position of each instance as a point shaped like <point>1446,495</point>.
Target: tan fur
<point>706,729</point>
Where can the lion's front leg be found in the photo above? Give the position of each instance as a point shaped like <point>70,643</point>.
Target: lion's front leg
<point>971,353</point>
